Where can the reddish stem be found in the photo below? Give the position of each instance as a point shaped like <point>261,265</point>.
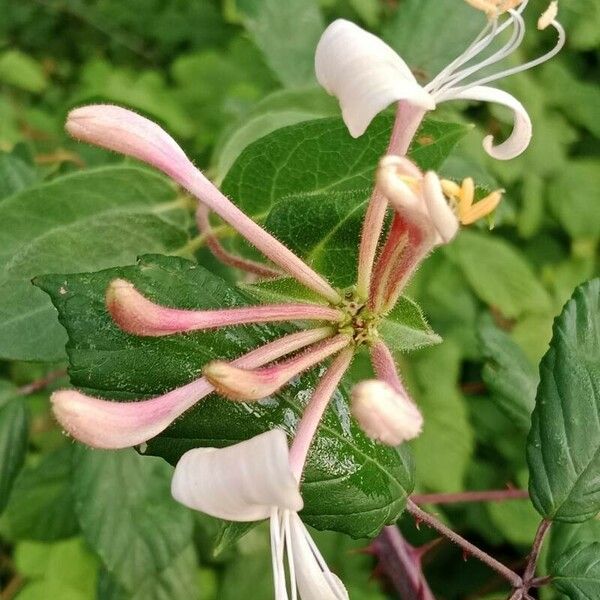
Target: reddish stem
<point>40,384</point>
<point>536,548</point>
<point>226,257</point>
<point>401,563</point>
<point>423,517</point>
<point>458,497</point>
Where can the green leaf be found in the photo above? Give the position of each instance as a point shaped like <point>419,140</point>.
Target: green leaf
<point>499,275</point>
<point>444,449</point>
<point>571,198</point>
<point>563,448</point>
<point>287,32</point>
<point>508,374</point>
<point>41,504</point>
<point>351,483</point>
<point>14,433</point>
<point>88,220</point>
<point>318,170</point>
<point>67,566</point>
<point>15,175</point>
<point>128,517</point>
<point>565,536</point>
<point>428,34</point>
<point>177,581</point>
<point>22,71</point>
<point>577,574</point>
<point>405,328</point>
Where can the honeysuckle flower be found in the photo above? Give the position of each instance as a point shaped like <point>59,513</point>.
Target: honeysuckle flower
<point>428,213</point>
<point>366,75</point>
<point>384,413</point>
<point>251,481</point>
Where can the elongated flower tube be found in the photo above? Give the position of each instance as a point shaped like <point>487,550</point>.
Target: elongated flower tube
<point>385,414</point>
<point>253,480</point>
<point>245,384</point>
<point>124,131</point>
<point>137,315</point>
<point>366,75</point>
<point>108,424</point>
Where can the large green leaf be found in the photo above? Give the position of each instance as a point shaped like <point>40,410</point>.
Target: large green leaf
<point>15,175</point>
<point>563,448</point>
<point>85,221</point>
<point>352,484</point>
<point>128,517</point>
<point>577,574</point>
<point>318,170</point>
<point>41,504</point>
<point>14,430</point>
<point>565,536</point>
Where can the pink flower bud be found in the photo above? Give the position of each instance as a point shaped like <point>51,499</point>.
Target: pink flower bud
<point>385,414</point>
<point>126,132</point>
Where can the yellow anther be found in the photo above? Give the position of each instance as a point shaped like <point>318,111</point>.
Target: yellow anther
<point>493,8</point>
<point>462,199</point>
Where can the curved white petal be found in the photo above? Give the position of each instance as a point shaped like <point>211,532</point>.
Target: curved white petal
<point>391,180</point>
<point>239,483</point>
<point>442,216</point>
<point>314,579</point>
<point>365,74</point>
<point>522,130</point>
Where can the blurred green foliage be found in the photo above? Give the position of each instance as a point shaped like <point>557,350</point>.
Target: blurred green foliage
<point>219,75</point>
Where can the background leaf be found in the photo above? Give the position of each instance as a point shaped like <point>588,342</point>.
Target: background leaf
<point>91,220</point>
<point>563,449</point>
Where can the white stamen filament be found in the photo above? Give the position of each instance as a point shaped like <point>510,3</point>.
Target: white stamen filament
<point>444,85</point>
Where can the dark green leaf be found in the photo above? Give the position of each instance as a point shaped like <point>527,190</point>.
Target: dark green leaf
<point>577,574</point>
<point>563,448</point>
<point>41,504</point>
<point>14,431</point>
<point>318,170</point>
<point>565,536</point>
<point>510,377</point>
<point>352,484</point>
<point>89,220</point>
<point>128,517</point>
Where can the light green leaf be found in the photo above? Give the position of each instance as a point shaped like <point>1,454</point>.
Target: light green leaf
<point>577,574</point>
<point>177,581</point>
<point>88,220</point>
<point>444,449</point>
<point>351,483</point>
<point>405,328</point>
<point>14,432</point>
<point>15,175</point>
<point>563,448</point>
<point>22,71</point>
<point>287,32</point>
<point>128,517</point>
<point>574,198</point>
<point>565,536</point>
<point>499,275</point>
<point>508,374</point>
<point>41,504</point>
<point>428,34</point>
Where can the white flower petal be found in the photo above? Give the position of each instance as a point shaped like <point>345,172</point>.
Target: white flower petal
<point>442,216</point>
<point>314,579</point>
<point>365,74</point>
<point>239,483</point>
<point>522,130</point>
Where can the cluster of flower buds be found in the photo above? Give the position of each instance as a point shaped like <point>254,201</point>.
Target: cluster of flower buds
<point>260,478</point>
